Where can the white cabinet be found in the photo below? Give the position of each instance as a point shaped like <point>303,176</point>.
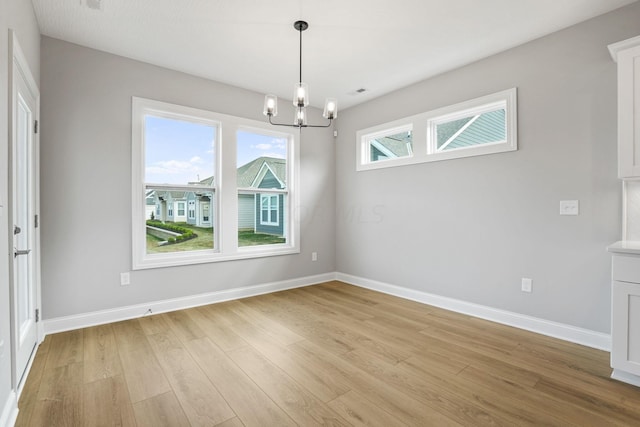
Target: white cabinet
<point>627,54</point>
<point>625,315</point>
<point>625,346</point>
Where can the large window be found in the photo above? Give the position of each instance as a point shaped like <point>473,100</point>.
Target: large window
<point>485,125</point>
<point>177,174</point>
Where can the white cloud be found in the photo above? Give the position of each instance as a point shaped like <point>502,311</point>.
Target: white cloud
<point>262,146</point>
<point>176,167</point>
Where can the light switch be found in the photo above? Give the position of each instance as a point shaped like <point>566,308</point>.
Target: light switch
<point>569,207</point>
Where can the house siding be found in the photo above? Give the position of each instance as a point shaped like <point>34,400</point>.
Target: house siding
<point>246,218</point>
<point>269,181</point>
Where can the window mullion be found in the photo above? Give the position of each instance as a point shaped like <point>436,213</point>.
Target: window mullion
<point>228,192</point>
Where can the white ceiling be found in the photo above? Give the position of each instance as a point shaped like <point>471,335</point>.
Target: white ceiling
<point>379,45</point>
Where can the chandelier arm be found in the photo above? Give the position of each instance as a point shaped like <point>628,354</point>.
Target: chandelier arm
<point>281,124</point>
<point>299,126</point>
<point>318,126</point>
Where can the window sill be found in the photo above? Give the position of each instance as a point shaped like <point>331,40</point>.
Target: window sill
<point>204,257</point>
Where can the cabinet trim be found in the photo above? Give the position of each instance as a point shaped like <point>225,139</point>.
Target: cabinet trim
<point>615,48</point>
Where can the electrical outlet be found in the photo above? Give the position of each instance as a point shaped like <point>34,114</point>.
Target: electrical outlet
<point>314,256</point>
<point>526,284</point>
<point>125,279</point>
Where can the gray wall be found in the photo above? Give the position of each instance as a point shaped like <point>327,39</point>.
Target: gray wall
<point>17,15</point>
<point>471,228</point>
<point>86,196</point>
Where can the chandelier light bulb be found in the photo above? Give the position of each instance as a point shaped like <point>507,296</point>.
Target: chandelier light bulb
<point>301,95</point>
<point>301,117</point>
<point>330,109</point>
<point>270,106</point>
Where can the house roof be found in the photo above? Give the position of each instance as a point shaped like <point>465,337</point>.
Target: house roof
<point>257,169</point>
<point>398,145</point>
<point>251,172</point>
<point>175,195</point>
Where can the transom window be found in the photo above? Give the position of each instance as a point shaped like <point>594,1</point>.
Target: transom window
<point>468,129</point>
<point>390,144</point>
<point>485,125</point>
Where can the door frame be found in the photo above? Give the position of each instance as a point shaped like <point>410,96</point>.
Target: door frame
<point>19,64</point>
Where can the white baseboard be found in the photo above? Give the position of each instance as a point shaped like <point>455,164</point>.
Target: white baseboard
<point>626,377</point>
<point>9,413</point>
<point>78,321</point>
<point>545,327</point>
<point>562,331</point>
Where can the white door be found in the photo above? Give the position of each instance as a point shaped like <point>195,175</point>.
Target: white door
<point>23,189</point>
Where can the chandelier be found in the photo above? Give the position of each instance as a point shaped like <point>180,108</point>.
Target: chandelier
<point>300,98</point>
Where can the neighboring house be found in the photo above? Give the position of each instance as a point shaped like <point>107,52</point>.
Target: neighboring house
<point>391,147</point>
<point>150,205</point>
<point>260,212</point>
<point>170,205</point>
<point>485,128</point>
<point>263,212</point>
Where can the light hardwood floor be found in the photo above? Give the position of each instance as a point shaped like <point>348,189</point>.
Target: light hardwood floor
<point>329,354</point>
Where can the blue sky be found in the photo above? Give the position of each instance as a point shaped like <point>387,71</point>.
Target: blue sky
<point>252,145</point>
<point>179,152</point>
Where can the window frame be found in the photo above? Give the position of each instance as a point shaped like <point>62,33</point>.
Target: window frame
<point>424,139</point>
<point>366,152</point>
<point>225,190</point>
<point>184,209</point>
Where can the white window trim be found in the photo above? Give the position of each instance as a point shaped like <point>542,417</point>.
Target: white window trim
<point>423,133</point>
<point>225,210</point>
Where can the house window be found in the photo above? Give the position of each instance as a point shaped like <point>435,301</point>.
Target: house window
<point>177,153</point>
<point>192,209</point>
<point>263,178</point>
<point>269,210</point>
<point>485,125</point>
<point>206,211</point>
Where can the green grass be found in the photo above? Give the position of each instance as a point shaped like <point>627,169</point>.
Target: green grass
<point>205,240</point>
<point>249,238</point>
